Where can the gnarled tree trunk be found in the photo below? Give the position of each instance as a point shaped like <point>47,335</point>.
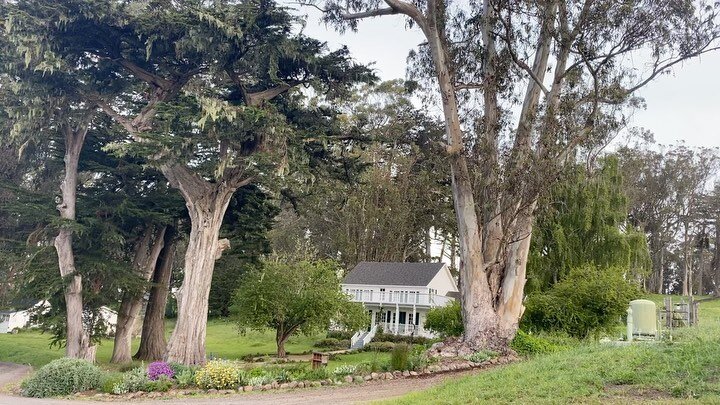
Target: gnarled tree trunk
<point>206,203</point>
<point>152,340</point>
<point>147,251</point>
<point>78,340</point>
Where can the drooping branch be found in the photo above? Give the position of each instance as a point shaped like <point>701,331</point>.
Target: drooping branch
<point>371,13</point>
<point>258,98</point>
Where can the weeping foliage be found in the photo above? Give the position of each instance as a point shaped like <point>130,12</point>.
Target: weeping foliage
<point>585,221</point>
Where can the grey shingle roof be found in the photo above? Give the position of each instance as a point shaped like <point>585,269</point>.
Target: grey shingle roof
<point>388,273</point>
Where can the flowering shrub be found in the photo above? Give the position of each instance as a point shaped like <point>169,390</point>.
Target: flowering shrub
<point>220,375</point>
<point>159,368</point>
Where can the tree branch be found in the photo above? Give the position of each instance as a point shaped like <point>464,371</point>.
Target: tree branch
<point>370,13</point>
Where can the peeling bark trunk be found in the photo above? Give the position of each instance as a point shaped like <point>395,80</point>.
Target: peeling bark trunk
<point>78,340</point>
<point>206,203</point>
<point>147,251</point>
<point>152,340</point>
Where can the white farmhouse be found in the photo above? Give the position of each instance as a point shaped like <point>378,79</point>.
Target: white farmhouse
<point>399,295</point>
<point>13,320</point>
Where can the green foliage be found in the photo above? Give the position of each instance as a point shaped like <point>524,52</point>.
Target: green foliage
<point>62,377</point>
<point>133,381</point>
<point>185,378</point>
<point>445,321</point>
<point>526,344</point>
<point>585,222</point>
<point>320,373</point>
<point>162,384</point>
<point>389,337</point>
<point>379,347</point>
<point>332,343</point>
<point>589,300</point>
<point>419,358</point>
<point>295,297</point>
<point>481,356</point>
<point>345,369</point>
<point>399,356</point>
<point>109,381</point>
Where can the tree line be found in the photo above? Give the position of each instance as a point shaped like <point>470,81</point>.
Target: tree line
<point>177,131</point>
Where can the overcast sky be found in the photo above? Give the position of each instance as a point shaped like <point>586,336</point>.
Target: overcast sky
<point>684,105</point>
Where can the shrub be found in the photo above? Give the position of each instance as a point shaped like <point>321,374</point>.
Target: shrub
<point>526,344</point>
<point>590,300</point>
<point>419,359</point>
<point>159,368</point>
<point>62,377</point>
<point>345,369</point>
<point>185,378</point>
<point>320,373</point>
<point>109,381</point>
<point>161,384</point>
<point>133,381</point>
<point>483,355</point>
<point>219,374</point>
<point>388,337</point>
<point>445,321</point>
<point>340,335</point>
<point>379,347</point>
<point>399,357</point>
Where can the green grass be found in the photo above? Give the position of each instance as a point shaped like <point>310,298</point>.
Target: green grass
<point>687,369</point>
<point>223,341</point>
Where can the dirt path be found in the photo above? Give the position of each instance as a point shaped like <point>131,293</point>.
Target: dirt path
<point>348,394</point>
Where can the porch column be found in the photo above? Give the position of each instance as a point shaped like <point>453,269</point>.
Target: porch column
<point>415,314</point>
<point>372,318</point>
<point>397,318</point>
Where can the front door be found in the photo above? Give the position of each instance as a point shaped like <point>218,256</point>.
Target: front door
<point>403,317</point>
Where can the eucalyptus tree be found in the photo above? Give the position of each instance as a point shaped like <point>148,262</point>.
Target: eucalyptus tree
<point>566,65</point>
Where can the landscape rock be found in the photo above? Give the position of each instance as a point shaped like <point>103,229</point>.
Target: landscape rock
<point>348,379</point>
<point>389,376</point>
<point>358,379</point>
<point>374,376</point>
<point>247,388</point>
<point>414,373</point>
<point>210,391</point>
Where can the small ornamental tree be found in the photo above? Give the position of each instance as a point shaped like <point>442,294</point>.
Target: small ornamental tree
<point>295,297</point>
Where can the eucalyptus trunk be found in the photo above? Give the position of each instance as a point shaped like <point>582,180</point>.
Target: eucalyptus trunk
<point>147,251</point>
<point>152,339</point>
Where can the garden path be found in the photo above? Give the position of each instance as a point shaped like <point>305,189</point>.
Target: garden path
<point>348,394</point>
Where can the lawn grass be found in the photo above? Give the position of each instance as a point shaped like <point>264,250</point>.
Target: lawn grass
<point>686,369</point>
<point>223,341</point>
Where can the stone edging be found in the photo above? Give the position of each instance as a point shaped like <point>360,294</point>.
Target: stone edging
<point>455,366</point>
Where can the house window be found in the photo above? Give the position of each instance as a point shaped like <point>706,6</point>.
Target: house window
<point>410,318</point>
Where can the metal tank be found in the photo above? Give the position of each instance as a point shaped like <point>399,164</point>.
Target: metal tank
<point>644,318</point>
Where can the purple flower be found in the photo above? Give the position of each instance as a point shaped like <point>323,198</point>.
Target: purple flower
<point>159,368</point>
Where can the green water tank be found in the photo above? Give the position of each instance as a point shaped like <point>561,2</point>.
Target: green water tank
<point>644,314</point>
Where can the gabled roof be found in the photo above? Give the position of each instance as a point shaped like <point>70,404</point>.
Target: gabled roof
<point>389,273</point>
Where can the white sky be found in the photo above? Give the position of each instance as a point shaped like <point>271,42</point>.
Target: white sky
<point>684,105</point>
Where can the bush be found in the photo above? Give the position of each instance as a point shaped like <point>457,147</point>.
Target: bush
<point>526,344</point>
<point>388,337</point>
<point>185,378</point>
<point>158,369</point>
<point>109,381</point>
<point>340,335</point>
<point>590,300</point>
<point>483,355</point>
<point>419,359</point>
<point>445,321</point>
<point>320,373</point>
<point>219,375</point>
<point>62,377</point>
<point>161,384</point>
<point>379,347</point>
<point>332,343</point>
<point>399,357</point>
<point>133,381</point>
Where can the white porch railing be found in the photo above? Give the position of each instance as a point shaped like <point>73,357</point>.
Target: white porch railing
<point>399,297</point>
<point>401,328</point>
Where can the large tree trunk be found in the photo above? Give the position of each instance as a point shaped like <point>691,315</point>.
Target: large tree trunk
<point>152,340</point>
<point>78,340</point>
<point>206,203</point>
<point>147,251</point>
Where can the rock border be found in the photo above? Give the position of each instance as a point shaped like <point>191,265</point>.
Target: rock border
<point>433,369</point>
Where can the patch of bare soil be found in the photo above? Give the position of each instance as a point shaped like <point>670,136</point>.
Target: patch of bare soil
<point>627,393</point>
